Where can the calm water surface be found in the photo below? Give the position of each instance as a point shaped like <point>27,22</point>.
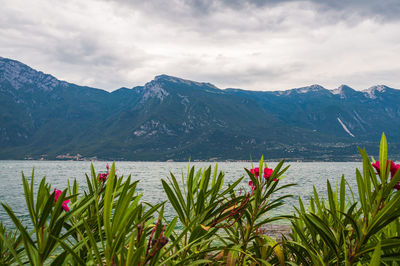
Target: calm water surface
<point>305,175</point>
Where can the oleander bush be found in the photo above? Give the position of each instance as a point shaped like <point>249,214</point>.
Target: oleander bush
<point>347,230</point>
<point>213,223</point>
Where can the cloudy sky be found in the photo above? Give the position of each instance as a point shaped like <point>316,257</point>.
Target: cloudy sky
<point>249,44</point>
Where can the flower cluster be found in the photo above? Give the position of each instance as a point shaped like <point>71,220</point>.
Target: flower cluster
<point>103,176</point>
<point>393,170</point>
<point>256,172</point>
<point>64,204</point>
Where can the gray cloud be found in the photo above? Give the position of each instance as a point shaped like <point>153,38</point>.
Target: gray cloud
<point>382,9</point>
<point>236,43</point>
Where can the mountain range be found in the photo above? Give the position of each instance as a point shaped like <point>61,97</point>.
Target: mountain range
<point>170,118</point>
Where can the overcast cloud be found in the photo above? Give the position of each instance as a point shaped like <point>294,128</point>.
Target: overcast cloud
<point>257,45</point>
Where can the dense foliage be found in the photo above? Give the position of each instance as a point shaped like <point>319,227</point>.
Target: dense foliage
<point>214,224</point>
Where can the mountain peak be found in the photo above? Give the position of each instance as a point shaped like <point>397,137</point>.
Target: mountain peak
<point>303,90</point>
<point>167,78</point>
<point>345,88</point>
<point>373,91</point>
<point>316,87</point>
<point>344,91</point>
<point>311,88</point>
<point>20,76</point>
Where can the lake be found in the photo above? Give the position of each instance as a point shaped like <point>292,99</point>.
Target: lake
<point>304,174</point>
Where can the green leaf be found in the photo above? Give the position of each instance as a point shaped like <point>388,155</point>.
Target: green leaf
<point>361,192</point>
<point>383,158</point>
<point>316,198</point>
<point>28,193</point>
<point>18,224</point>
<point>178,193</point>
<point>10,248</point>
<point>70,251</point>
<point>47,210</point>
<point>342,193</point>
<point>205,179</point>
<point>214,175</point>
<point>174,201</point>
<point>30,248</point>
<point>386,245</point>
<point>332,203</point>
<point>376,256</point>
<point>108,204</point>
<point>386,215</point>
<point>323,230</point>
<point>171,227</point>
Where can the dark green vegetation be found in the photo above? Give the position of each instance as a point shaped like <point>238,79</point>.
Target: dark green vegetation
<point>172,118</point>
<point>212,224</point>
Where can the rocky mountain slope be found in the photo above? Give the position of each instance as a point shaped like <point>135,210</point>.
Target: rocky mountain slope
<point>173,118</point>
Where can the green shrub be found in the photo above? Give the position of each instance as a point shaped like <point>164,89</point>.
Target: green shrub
<point>214,223</point>
<point>344,231</point>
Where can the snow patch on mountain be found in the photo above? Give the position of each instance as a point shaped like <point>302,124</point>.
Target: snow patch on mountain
<point>373,91</point>
<point>313,88</point>
<point>343,91</point>
<point>345,128</point>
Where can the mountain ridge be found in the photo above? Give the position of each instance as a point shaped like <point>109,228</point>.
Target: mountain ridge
<point>313,87</point>
<point>174,118</point>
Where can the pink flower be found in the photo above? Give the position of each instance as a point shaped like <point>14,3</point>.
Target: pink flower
<point>393,170</point>
<point>268,172</point>
<point>57,194</point>
<point>377,167</point>
<point>103,177</point>
<point>253,187</point>
<point>255,171</point>
<point>393,167</point>
<point>64,204</point>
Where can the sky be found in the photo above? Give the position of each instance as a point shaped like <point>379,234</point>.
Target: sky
<point>248,44</point>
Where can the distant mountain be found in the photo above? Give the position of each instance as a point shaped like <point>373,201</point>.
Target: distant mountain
<point>343,112</point>
<point>173,118</point>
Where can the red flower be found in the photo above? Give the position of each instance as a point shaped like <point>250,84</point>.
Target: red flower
<point>393,170</point>
<point>255,171</point>
<point>253,187</point>
<point>64,204</point>
<point>268,172</point>
<point>103,177</point>
<point>377,167</point>
<point>393,167</point>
